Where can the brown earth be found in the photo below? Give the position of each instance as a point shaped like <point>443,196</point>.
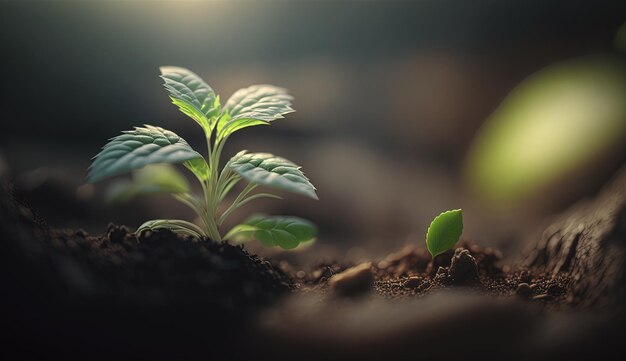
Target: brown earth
<point>161,296</point>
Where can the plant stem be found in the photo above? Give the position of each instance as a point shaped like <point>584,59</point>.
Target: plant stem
<point>209,188</point>
<point>243,201</point>
<point>236,202</point>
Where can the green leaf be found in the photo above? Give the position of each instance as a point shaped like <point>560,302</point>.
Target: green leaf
<point>175,225</point>
<point>153,178</point>
<point>286,232</point>
<point>255,105</point>
<point>270,170</point>
<point>198,167</point>
<point>192,95</point>
<point>444,231</point>
<point>137,148</point>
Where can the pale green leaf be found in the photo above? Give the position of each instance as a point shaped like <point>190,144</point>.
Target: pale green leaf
<point>162,177</point>
<point>191,94</point>
<point>175,225</point>
<point>137,148</point>
<point>151,179</point>
<point>269,170</point>
<point>198,167</point>
<point>286,232</point>
<point>120,190</point>
<point>444,231</point>
<point>255,105</point>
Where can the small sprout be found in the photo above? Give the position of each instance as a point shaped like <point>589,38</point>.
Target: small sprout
<point>444,231</point>
<point>149,151</point>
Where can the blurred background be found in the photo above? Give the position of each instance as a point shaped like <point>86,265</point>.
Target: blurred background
<point>510,110</point>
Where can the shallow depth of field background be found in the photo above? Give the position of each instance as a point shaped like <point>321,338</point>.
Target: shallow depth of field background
<point>389,97</point>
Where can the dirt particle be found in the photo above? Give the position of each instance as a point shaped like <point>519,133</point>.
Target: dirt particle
<point>442,272</point>
<point>523,289</point>
<point>555,289</point>
<point>317,274</point>
<point>441,277</point>
<point>353,281</point>
<point>414,282</point>
<point>80,233</point>
<point>525,276</point>
<point>463,268</point>
<point>115,233</point>
<point>326,274</point>
<point>542,297</point>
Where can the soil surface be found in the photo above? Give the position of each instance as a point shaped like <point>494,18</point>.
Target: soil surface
<point>411,272</point>
<point>161,296</point>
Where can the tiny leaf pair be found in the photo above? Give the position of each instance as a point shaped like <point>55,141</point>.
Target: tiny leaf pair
<point>147,152</point>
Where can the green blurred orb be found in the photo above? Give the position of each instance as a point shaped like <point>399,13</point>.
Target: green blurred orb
<point>556,121</point>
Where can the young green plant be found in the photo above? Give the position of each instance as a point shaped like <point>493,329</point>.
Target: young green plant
<point>147,151</point>
<point>444,232</point>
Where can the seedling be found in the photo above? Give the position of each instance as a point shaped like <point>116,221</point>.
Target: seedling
<point>444,231</point>
<point>152,146</point>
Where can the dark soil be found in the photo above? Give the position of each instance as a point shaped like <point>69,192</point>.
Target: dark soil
<point>411,272</point>
<point>161,296</point>
<point>100,297</point>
